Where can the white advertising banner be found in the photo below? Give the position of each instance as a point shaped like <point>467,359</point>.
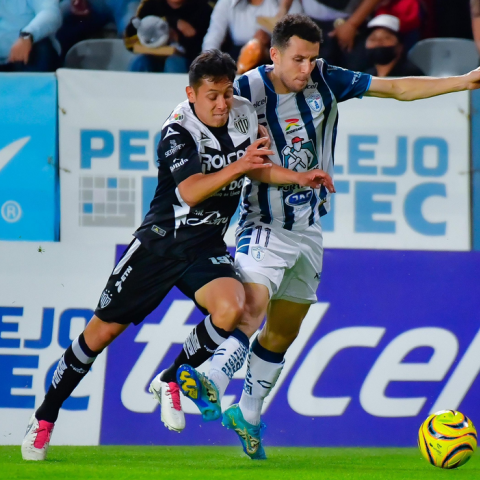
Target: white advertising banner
<point>48,294</point>
<point>401,168</point>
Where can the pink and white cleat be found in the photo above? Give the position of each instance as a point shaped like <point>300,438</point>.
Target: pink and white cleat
<point>168,395</point>
<point>37,438</point>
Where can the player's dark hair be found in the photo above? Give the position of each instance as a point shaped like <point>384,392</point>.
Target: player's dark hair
<point>211,65</point>
<point>295,25</point>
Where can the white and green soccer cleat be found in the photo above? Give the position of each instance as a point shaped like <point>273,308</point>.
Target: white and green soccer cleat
<point>201,391</point>
<point>250,435</point>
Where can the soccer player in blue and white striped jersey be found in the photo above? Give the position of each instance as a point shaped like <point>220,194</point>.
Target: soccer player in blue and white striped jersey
<point>279,238</point>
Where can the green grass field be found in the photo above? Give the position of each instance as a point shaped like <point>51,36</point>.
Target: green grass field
<point>135,463</point>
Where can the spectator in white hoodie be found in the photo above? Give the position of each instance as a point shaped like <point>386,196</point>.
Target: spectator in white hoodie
<point>236,20</point>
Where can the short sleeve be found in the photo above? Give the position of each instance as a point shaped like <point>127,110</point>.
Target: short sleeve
<point>345,84</point>
<point>178,151</point>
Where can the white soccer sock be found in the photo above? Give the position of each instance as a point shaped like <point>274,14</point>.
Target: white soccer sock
<point>264,368</point>
<point>227,359</point>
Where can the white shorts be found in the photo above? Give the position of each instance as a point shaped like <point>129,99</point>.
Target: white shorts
<point>288,263</point>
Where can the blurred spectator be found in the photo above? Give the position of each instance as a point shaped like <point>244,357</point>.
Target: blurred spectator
<point>343,23</point>
<point>475,8</point>
<point>237,20</point>
<point>25,28</point>
<point>188,21</point>
<point>83,19</point>
<point>385,50</point>
<point>409,14</point>
<point>452,19</point>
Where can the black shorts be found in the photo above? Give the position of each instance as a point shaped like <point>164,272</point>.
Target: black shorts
<point>141,280</point>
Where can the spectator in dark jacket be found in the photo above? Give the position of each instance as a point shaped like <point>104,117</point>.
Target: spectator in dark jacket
<point>188,21</point>
<point>385,50</point>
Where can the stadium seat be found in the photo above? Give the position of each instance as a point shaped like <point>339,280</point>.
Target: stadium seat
<point>101,54</point>
<point>443,57</point>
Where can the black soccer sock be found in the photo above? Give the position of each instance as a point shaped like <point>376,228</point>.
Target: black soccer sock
<point>199,346</point>
<point>72,367</point>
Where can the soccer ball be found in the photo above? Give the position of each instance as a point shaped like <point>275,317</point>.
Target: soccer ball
<point>447,439</point>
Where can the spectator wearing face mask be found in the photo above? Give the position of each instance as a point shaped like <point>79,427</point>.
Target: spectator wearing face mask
<point>385,50</point>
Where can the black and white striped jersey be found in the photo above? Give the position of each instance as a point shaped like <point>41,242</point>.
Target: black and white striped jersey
<point>187,147</point>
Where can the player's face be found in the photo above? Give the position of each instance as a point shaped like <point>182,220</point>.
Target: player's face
<point>213,101</point>
<point>295,63</point>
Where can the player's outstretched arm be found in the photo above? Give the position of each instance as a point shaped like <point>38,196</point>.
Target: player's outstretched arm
<point>415,88</point>
<point>283,176</point>
<point>198,187</point>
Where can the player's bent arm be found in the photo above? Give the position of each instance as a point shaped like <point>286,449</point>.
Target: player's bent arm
<point>198,187</point>
<point>283,176</point>
<point>415,88</point>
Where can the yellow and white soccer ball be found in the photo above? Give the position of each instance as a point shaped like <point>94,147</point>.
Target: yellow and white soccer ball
<point>447,439</point>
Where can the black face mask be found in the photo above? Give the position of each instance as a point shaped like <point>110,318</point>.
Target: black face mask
<point>381,55</point>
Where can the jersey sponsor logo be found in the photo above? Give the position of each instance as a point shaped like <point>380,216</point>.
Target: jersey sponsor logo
<point>123,278</point>
<point>211,218</point>
<point>292,125</point>
<point>170,131</point>
<point>260,103</point>
<point>356,77</point>
<point>297,199</point>
<point>258,253</point>
<point>177,117</point>
<point>158,230</point>
<point>242,125</point>
<point>177,163</point>
<point>217,162</point>
<point>315,102</point>
<point>300,155</point>
<point>174,147</point>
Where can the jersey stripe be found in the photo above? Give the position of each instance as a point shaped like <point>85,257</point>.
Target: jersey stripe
<point>244,86</point>
<point>280,143</point>
<point>327,102</point>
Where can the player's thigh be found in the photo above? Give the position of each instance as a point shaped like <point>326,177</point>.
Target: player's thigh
<point>257,297</point>
<point>137,285</point>
<point>263,255</point>
<point>284,319</point>
<point>215,286</point>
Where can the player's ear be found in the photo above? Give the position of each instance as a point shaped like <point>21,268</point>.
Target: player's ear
<point>192,98</point>
<point>274,54</point>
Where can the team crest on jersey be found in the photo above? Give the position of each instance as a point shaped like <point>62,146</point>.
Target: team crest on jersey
<point>258,253</point>
<point>105,298</point>
<point>300,156</point>
<point>315,102</point>
<point>241,124</point>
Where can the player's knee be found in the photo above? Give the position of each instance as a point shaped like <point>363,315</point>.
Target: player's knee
<point>227,314</point>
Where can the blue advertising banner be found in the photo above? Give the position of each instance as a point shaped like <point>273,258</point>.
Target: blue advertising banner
<point>28,157</point>
<point>395,336</point>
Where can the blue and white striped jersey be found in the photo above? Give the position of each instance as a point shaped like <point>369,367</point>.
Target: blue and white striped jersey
<point>303,128</point>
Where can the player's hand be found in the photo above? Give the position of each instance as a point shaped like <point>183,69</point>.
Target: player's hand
<point>20,51</point>
<point>187,30</point>
<point>315,179</point>
<point>255,157</point>
<point>473,79</point>
<point>345,34</point>
<point>263,133</point>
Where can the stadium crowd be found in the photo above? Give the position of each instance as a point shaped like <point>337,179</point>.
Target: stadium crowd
<point>371,36</point>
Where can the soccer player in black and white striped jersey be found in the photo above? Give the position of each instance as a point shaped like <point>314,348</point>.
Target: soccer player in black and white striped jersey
<point>208,144</point>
